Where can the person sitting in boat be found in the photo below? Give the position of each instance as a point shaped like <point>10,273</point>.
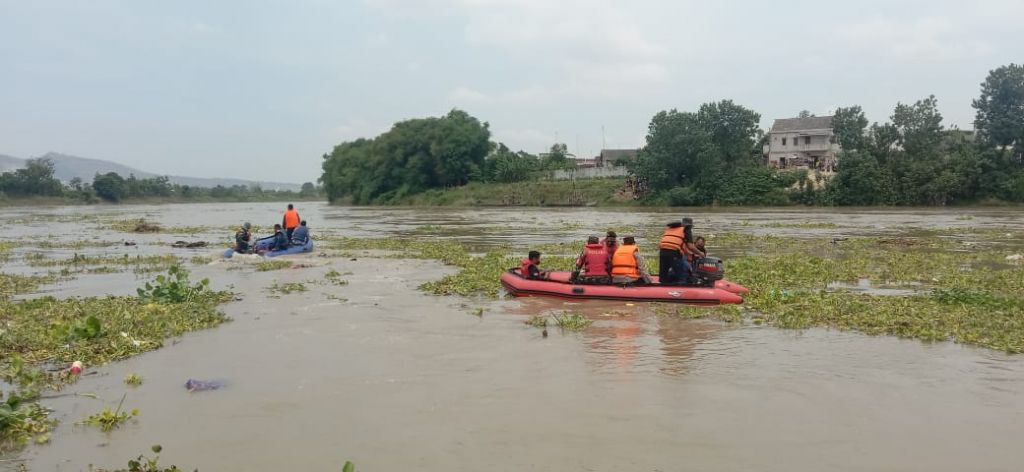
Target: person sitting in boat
<point>628,266</point>
<point>593,262</point>
<point>279,241</point>
<point>530,267</point>
<point>699,244</point>
<point>301,235</point>
<point>684,266</point>
<point>243,238</point>
<point>610,244</point>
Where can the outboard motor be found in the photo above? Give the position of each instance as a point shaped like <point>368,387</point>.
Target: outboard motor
<point>708,270</point>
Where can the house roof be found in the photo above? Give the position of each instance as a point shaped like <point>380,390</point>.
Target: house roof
<point>612,154</point>
<point>801,124</point>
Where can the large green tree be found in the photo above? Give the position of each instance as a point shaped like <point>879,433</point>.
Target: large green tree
<point>1000,108</point>
<point>110,186</point>
<point>35,179</point>
<point>849,128</point>
<point>415,155</point>
<point>919,126</point>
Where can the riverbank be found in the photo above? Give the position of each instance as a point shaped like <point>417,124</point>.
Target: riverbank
<point>540,193</point>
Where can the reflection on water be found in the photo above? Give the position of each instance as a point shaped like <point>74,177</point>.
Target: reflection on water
<point>393,379</point>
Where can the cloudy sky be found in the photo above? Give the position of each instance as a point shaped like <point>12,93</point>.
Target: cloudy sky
<point>261,89</point>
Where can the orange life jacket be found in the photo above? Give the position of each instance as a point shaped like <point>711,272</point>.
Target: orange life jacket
<point>596,258</point>
<point>624,261</point>
<point>291,219</point>
<point>524,268</point>
<point>674,240</point>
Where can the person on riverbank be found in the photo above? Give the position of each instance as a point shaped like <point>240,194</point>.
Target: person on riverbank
<point>594,264</point>
<point>243,239</point>
<point>301,235</point>
<point>530,267</point>
<point>671,248</point>
<point>628,265</point>
<point>290,221</point>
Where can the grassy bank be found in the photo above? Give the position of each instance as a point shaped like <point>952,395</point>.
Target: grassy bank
<point>949,290</point>
<point>590,192</point>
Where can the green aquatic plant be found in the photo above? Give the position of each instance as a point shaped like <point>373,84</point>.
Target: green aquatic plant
<point>334,277</point>
<point>109,419</point>
<point>287,288</point>
<point>201,260</point>
<point>133,380</point>
<point>23,420</point>
<point>273,264</point>
<point>572,320</point>
<point>174,287</point>
<point>143,464</point>
<point>11,285</point>
<point>538,321</point>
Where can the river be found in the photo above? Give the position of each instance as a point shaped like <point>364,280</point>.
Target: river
<point>396,380</point>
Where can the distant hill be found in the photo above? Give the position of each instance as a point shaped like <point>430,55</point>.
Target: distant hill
<point>67,167</point>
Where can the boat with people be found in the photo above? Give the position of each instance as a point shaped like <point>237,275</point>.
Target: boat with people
<point>261,248</point>
<point>561,285</point>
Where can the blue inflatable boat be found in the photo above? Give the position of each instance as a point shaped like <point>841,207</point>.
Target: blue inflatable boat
<point>263,244</point>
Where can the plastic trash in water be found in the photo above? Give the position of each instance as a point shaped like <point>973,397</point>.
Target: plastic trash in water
<point>193,385</point>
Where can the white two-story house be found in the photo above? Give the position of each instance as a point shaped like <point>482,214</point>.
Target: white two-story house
<point>802,143</point>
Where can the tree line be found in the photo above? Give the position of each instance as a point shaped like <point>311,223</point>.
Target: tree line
<point>37,179</point>
<point>426,153</point>
<point>713,155</point>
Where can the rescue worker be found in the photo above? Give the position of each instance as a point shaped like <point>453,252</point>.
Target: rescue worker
<point>279,241</point>
<point>301,235</point>
<point>627,264</point>
<point>530,267</point>
<point>610,244</point>
<point>593,262</point>
<point>290,221</point>
<point>670,250</point>
<point>684,268</point>
<point>243,238</point>
<point>699,244</point>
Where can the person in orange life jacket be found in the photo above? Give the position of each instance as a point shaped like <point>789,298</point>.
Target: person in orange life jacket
<point>593,262</point>
<point>684,267</point>
<point>627,264</point>
<point>610,244</point>
<point>290,221</point>
<point>670,250</point>
<point>530,267</point>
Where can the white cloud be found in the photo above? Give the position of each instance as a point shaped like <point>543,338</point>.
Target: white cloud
<point>928,39</point>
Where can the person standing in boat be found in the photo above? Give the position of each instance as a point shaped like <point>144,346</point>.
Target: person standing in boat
<point>594,264</point>
<point>670,250</point>
<point>530,267</point>
<point>290,221</point>
<point>301,235</point>
<point>628,265</point>
<point>684,266</point>
<point>243,238</point>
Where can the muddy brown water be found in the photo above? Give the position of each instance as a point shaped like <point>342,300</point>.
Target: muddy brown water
<point>392,379</point>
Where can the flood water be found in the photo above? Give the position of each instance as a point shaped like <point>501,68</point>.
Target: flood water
<point>396,380</point>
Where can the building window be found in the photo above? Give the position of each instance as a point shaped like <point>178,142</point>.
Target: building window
<point>783,141</point>
<point>807,140</point>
